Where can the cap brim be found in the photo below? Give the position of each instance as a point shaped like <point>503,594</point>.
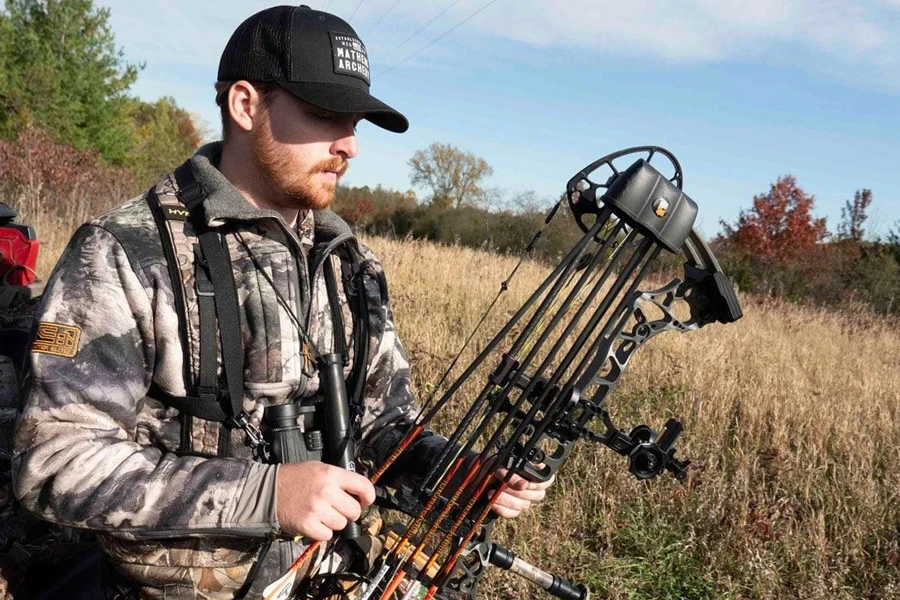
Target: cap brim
<point>346,99</point>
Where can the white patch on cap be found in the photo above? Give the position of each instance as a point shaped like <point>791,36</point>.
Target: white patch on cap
<point>350,56</point>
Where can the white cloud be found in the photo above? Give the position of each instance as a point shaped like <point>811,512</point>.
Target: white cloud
<point>852,34</point>
<point>688,30</point>
<point>857,41</point>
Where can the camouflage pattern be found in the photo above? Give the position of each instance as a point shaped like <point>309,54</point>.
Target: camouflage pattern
<point>91,450</point>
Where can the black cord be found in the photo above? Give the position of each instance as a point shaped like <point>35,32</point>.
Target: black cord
<point>314,351</point>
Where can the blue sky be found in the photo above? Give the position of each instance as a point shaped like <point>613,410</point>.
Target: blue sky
<point>741,91</point>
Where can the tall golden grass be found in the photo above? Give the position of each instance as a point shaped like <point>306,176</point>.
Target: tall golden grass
<point>791,419</point>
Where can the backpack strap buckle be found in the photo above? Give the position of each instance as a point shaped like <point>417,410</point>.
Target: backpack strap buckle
<point>255,439</point>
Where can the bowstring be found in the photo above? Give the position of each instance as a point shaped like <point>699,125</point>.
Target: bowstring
<point>504,286</point>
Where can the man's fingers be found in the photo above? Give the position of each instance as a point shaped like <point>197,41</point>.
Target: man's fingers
<point>333,520</point>
<point>347,505</point>
<point>530,495</point>
<point>509,506</point>
<point>519,494</point>
<point>358,486</point>
<point>318,531</point>
<point>507,500</point>
<point>542,485</point>
<point>517,482</point>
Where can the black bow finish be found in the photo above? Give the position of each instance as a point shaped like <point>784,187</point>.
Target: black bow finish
<point>553,367</point>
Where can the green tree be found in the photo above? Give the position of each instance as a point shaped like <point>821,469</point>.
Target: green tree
<point>877,277</point>
<point>60,70</point>
<point>165,136</point>
<point>454,177</point>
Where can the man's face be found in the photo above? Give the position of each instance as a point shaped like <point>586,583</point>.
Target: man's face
<point>301,151</point>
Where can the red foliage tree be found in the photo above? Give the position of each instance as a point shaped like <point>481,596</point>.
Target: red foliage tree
<point>35,167</point>
<point>359,211</point>
<point>780,228</point>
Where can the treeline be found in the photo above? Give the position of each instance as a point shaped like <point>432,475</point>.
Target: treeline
<point>384,212</point>
<point>778,248</point>
<point>62,78</point>
<point>74,142</point>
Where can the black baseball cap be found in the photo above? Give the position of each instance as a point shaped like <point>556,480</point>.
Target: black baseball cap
<point>312,54</point>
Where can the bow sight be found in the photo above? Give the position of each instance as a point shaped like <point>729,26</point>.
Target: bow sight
<point>554,365</point>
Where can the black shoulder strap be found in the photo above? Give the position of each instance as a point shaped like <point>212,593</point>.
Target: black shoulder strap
<point>219,295</point>
<point>352,276</point>
<point>168,248</point>
<point>217,303</point>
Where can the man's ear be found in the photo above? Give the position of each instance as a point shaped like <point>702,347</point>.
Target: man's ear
<point>244,104</point>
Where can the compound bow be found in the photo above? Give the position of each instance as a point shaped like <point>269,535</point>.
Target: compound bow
<point>555,363</point>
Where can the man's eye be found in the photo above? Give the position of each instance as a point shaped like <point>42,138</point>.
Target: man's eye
<point>333,117</point>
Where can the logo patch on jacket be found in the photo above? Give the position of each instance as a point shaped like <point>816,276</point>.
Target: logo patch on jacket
<point>56,339</point>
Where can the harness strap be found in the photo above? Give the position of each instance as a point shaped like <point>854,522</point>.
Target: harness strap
<point>206,305</point>
<point>354,288</point>
<point>168,249</point>
<point>217,304</point>
<point>223,293</point>
<point>190,192</point>
<point>228,314</point>
<point>190,405</point>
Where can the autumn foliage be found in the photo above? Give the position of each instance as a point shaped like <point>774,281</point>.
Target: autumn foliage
<point>778,248</point>
<point>55,187</point>
<point>780,228</point>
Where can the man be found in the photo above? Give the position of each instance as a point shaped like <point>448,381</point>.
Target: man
<point>184,506</point>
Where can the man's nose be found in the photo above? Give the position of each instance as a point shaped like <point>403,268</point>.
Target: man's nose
<point>346,144</point>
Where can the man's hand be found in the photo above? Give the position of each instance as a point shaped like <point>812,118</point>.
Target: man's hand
<point>315,500</point>
<point>519,495</point>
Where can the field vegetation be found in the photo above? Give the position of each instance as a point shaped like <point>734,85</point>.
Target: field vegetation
<point>791,419</point>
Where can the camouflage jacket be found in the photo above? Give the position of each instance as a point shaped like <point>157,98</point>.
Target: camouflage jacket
<point>93,451</point>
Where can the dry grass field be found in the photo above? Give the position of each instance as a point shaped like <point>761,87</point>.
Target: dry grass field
<point>792,424</point>
<point>791,420</point>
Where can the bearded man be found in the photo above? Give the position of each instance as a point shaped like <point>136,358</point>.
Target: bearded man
<point>150,379</point>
